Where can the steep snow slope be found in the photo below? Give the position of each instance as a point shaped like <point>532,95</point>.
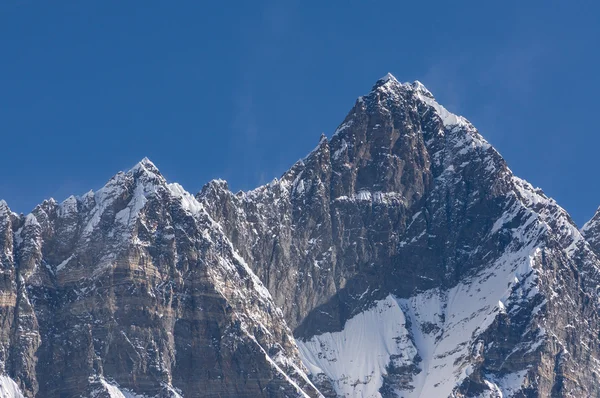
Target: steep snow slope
<point>9,389</point>
<point>357,357</point>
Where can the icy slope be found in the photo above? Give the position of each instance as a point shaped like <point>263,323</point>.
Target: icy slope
<point>9,389</point>
<point>357,357</point>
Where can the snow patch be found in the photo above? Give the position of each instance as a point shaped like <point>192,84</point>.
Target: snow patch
<point>357,357</point>
<point>448,118</point>
<point>64,263</point>
<point>188,201</point>
<point>9,389</point>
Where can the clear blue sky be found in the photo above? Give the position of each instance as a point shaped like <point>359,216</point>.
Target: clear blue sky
<point>242,89</point>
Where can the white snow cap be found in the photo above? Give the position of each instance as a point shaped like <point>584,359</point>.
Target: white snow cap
<point>388,77</point>
<point>417,86</point>
<point>145,164</point>
<point>420,88</point>
<point>4,210</point>
<point>147,168</point>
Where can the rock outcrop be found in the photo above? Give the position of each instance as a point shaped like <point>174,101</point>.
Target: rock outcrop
<point>400,258</point>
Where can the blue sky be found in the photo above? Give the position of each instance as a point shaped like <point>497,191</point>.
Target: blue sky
<point>241,90</point>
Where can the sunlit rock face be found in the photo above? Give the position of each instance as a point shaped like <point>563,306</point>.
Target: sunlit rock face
<point>400,258</point>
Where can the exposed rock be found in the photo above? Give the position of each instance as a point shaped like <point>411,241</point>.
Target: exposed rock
<point>400,258</point>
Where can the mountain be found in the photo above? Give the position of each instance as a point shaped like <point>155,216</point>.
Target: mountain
<point>400,258</point>
<point>134,290</point>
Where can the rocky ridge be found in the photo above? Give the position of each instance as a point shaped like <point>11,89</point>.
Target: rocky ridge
<point>400,258</point>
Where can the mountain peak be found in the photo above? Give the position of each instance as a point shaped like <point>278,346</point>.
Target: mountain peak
<point>4,209</point>
<point>145,164</point>
<point>385,81</point>
<point>421,89</point>
<point>145,167</point>
<point>388,77</point>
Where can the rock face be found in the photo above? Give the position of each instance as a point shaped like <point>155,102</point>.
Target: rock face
<point>400,258</point>
<point>135,289</point>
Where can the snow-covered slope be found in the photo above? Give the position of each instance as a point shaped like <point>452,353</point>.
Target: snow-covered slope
<point>399,258</point>
<point>408,204</point>
<point>9,389</point>
<point>357,357</point>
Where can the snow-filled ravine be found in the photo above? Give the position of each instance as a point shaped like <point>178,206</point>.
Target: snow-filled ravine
<point>432,336</point>
<point>8,388</point>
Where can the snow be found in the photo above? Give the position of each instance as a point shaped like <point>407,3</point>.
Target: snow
<point>64,263</point>
<point>136,204</point>
<point>146,166</point>
<point>114,391</point>
<point>30,220</point>
<point>144,178</point>
<point>586,227</point>
<point>507,385</point>
<point>4,209</point>
<point>356,358</point>
<point>343,126</point>
<point>374,197</point>
<point>188,201</point>
<point>388,77</point>
<point>68,206</point>
<point>9,389</point>
<point>448,118</point>
<point>103,198</point>
<point>439,327</point>
<point>506,217</point>
<point>276,366</point>
<point>341,150</point>
<point>421,89</point>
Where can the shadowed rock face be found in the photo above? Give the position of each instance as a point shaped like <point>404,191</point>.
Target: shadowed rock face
<point>401,257</point>
<point>396,202</point>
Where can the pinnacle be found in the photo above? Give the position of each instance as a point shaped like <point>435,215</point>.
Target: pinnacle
<point>420,88</point>
<point>4,207</point>
<point>145,166</point>
<point>388,77</point>
<point>146,163</point>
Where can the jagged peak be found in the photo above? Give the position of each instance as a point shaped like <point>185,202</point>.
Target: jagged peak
<point>145,166</point>
<point>218,182</point>
<point>591,222</point>
<point>420,88</point>
<point>31,219</point>
<point>49,202</point>
<point>387,78</point>
<point>389,87</point>
<point>215,185</point>
<point>70,199</point>
<point>146,173</point>
<point>323,143</point>
<point>4,209</point>
<point>386,82</point>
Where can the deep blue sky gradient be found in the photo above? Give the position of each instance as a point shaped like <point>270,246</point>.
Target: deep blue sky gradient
<point>240,90</point>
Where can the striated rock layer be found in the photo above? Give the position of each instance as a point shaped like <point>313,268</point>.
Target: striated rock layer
<point>400,258</point>
<point>135,289</point>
